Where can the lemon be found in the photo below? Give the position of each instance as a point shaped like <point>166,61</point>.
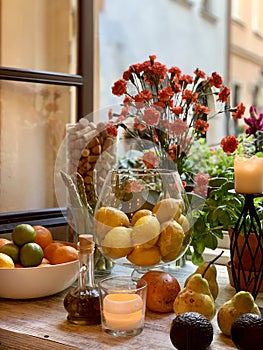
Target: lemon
<point>108,217</point>
<point>23,233</point>
<point>145,257</point>
<point>11,250</point>
<point>138,214</point>
<point>146,230</point>
<point>31,254</point>
<point>117,242</point>
<point>6,261</point>
<point>168,209</point>
<point>171,240</point>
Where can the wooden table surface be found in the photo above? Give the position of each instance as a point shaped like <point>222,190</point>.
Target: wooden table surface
<point>38,324</point>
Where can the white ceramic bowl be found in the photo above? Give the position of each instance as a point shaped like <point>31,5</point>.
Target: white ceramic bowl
<point>36,282</point>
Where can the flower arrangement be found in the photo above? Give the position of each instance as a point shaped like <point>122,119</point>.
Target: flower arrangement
<point>172,110</point>
<point>168,108</point>
<point>250,142</point>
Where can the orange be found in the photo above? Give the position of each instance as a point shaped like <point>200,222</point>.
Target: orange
<point>64,254</point>
<point>49,250</point>
<point>18,265</point>
<point>44,262</point>
<point>43,236</point>
<point>4,241</point>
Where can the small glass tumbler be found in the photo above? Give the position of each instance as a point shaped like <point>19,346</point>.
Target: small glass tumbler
<point>122,304</point>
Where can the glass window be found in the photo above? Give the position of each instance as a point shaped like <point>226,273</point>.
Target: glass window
<point>43,87</point>
<point>39,35</point>
<point>32,119</point>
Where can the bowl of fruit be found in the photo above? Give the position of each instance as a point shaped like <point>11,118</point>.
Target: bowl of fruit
<point>142,218</point>
<point>33,265</point>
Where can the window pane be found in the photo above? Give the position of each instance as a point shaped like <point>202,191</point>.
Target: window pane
<point>39,35</point>
<point>33,120</point>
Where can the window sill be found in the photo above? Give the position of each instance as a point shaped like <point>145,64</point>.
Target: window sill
<point>48,218</point>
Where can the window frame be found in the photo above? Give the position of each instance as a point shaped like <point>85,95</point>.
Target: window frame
<point>83,81</point>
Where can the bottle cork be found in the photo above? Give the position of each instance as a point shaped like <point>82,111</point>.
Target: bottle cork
<point>86,243</point>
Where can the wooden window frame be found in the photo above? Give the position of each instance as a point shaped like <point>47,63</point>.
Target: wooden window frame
<point>84,82</point>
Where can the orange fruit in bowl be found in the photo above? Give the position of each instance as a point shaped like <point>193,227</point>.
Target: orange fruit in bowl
<point>17,265</point>
<point>4,241</point>
<point>44,262</point>
<point>43,236</point>
<point>63,254</point>
<point>50,248</point>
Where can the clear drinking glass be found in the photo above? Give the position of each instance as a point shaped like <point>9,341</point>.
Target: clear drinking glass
<point>122,305</point>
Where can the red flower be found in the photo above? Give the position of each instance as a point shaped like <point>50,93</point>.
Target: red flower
<point>134,187</point>
<point>127,100</point>
<point>186,78</point>
<point>199,73</point>
<point>224,94</point>
<point>150,160</point>
<point>127,74</point>
<point>145,95</point>
<point>179,127</point>
<point>229,144</point>
<point>216,80</point>
<point>240,110</point>
<point>119,87</point>
<point>165,94</point>
<point>189,96</point>
<point>151,116</point>
<point>157,69</point>
<point>177,110</point>
<point>201,126</point>
<point>138,125</point>
<point>175,70</point>
<point>111,130</point>
<point>200,109</point>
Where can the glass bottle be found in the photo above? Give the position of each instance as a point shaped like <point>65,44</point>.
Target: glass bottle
<point>82,302</point>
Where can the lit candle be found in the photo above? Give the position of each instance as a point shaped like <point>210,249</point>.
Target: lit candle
<point>123,311</point>
<point>248,174</point>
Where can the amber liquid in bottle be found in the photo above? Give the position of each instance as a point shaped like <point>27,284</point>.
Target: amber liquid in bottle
<point>82,303</point>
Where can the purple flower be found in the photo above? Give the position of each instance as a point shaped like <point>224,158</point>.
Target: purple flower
<point>255,122</point>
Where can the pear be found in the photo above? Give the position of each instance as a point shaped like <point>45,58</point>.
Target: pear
<point>241,303</point>
<point>195,297</point>
<point>210,276</point>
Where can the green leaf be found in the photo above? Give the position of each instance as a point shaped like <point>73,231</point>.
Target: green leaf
<point>211,241</point>
<point>217,181</point>
<point>200,246</point>
<point>197,259</point>
<point>218,233</point>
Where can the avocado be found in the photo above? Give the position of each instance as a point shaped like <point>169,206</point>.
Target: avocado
<point>247,332</point>
<point>191,331</point>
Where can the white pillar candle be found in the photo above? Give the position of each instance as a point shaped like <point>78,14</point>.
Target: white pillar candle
<point>248,174</point>
<point>123,311</point>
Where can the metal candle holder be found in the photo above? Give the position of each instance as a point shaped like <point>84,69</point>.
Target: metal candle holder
<point>247,224</point>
